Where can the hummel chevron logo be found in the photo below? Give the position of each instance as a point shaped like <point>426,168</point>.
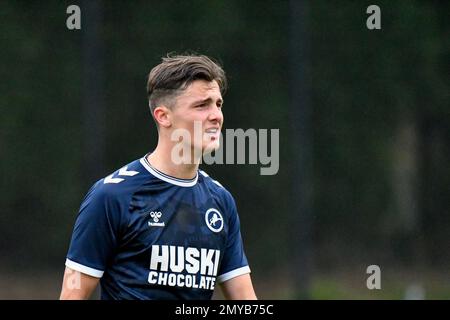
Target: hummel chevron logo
<point>122,172</point>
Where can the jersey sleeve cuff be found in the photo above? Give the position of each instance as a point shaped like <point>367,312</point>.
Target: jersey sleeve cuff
<point>84,269</point>
<point>233,273</point>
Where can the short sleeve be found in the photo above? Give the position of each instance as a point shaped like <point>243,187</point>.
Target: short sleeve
<point>234,262</point>
<point>95,234</point>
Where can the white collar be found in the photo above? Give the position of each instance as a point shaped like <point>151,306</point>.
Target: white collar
<point>160,175</point>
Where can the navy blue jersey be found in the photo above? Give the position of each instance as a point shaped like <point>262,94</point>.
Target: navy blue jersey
<point>148,235</point>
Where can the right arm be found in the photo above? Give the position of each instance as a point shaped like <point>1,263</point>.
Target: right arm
<point>93,242</point>
<point>77,285</point>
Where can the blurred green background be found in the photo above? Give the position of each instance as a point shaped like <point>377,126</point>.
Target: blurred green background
<point>364,120</point>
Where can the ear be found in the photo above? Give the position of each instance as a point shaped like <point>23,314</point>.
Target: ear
<point>162,116</point>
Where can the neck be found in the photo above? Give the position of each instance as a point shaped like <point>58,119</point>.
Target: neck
<point>161,159</point>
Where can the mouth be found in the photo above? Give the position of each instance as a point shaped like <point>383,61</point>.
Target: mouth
<point>213,133</point>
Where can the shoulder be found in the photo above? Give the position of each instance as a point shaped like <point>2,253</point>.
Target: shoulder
<point>217,188</point>
<point>119,185</point>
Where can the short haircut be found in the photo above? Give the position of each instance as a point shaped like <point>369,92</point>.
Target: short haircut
<point>176,72</point>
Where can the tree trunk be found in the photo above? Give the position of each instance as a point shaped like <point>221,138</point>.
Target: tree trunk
<point>301,143</point>
<point>93,112</point>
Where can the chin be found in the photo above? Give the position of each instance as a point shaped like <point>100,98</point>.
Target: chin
<point>211,146</point>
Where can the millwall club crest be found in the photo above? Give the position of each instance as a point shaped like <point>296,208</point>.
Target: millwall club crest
<point>154,222</point>
<point>214,220</point>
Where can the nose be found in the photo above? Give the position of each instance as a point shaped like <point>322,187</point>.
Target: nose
<point>216,115</point>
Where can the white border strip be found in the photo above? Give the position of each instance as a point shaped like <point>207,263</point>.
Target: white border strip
<point>233,273</point>
<point>83,269</point>
<point>188,183</point>
<point>206,175</point>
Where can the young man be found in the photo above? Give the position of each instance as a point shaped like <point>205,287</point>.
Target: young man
<point>160,228</point>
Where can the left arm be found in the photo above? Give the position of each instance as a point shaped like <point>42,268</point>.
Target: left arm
<point>239,288</point>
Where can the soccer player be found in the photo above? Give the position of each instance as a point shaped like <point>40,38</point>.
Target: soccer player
<point>160,228</point>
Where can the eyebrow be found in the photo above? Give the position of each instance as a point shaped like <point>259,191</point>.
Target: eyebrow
<point>207,100</point>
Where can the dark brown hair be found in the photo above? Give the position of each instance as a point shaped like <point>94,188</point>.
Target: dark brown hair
<point>176,72</point>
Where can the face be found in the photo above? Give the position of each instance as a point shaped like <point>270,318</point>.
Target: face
<point>198,110</point>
